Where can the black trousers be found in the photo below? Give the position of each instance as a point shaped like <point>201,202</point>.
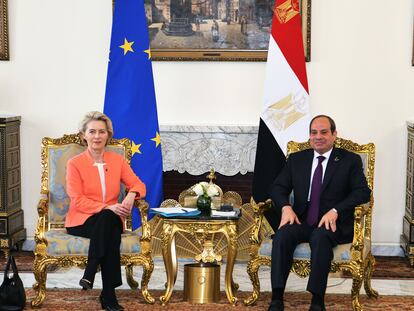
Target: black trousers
<point>104,230</point>
<point>321,242</point>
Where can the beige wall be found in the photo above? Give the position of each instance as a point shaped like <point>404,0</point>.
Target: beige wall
<point>360,74</point>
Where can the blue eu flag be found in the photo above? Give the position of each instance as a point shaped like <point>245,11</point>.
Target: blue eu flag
<point>130,96</point>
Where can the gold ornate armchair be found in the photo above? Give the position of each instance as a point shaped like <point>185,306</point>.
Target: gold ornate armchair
<point>355,258</point>
<point>54,246</point>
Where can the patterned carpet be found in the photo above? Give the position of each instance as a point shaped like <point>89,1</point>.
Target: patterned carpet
<point>74,299</point>
<point>58,299</point>
<point>386,267</point>
<point>391,268</point>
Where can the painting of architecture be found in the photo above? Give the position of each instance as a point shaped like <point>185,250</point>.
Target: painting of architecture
<point>211,26</point>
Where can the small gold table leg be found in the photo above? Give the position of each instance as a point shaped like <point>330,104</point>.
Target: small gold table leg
<point>170,267</point>
<point>231,234</point>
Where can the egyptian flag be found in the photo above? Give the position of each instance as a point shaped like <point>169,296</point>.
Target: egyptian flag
<point>285,114</point>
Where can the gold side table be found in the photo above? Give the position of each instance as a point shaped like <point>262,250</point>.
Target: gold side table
<point>200,228</point>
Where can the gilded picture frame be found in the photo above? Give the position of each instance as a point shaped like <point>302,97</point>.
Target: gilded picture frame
<point>243,29</point>
<point>4,37</point>
<point>412,57</point>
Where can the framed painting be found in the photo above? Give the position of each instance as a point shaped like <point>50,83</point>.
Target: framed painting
<point>217,30</point>
<point>4,38</point>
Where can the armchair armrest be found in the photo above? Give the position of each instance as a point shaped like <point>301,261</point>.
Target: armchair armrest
<point>357,247</point>
<point>361,211</point>
<point>145,238</point>
<point>42,210</point>
<point>258,209</point>
<point>43,205</point>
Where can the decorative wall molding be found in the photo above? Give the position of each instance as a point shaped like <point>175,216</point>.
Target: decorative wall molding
<point>196,149</point>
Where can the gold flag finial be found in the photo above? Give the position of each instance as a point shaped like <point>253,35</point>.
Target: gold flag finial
<point>211,176</point>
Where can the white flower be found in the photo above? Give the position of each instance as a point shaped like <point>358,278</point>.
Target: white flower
<point>198,189</point>
<point>212,191</point>
<point>205,189</point>
<point>204,184</point>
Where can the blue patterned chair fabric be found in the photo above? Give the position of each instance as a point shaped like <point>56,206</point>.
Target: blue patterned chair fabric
<point>355,258</point>
<point>60,243</point>
<point>55,246</point>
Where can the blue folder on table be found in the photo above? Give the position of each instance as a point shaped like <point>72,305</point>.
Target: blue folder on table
<point>175,211</point>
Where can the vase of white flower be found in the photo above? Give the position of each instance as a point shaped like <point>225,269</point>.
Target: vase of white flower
<point>205,192</point>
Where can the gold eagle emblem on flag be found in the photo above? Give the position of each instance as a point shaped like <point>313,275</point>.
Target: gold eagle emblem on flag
<point>285,112</point>
<point>287,10</point>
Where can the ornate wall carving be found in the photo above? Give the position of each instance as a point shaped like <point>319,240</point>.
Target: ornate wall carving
<point>197,149</point>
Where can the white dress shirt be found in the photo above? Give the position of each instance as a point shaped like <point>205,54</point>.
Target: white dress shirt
<point>102,178</point>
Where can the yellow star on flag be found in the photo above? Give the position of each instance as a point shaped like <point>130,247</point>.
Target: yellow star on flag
<point>148,52</point>
<point>157,139</point>
<point>127,46</point>
<point>135,149</point>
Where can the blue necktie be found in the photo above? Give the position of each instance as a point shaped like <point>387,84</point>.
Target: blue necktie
<point>313,211</point>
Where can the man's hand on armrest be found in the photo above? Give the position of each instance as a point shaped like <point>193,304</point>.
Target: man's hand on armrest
<point>288,216</point>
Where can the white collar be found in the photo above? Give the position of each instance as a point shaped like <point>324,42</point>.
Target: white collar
<point>327,154</point>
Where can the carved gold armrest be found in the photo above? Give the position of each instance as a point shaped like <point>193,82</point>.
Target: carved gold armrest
<point>145,239</point>
<point>42,210</point>
<point>258,213</point>
<point>361,211</point>
<point>43,205</point>
<point>357,248</point>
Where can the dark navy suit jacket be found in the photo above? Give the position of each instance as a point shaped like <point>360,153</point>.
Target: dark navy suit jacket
<point>344,187</point>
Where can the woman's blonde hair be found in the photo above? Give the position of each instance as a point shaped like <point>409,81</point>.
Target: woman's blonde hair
<point>96,116</point>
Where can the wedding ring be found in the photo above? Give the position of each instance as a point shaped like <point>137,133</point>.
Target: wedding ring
<point>331,222</point>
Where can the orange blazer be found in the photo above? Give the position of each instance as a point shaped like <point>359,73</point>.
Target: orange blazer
<point>83,185</point>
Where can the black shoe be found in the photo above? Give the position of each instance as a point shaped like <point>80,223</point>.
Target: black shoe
<point>314,307</point>
<point>276,305</point>
<point>86,284</point>
<point>106,307</point>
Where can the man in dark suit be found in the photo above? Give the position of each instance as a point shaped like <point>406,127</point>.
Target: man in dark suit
<point>327,183</point>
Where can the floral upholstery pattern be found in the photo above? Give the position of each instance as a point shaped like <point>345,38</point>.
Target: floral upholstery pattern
<point>61,243</point>
<point>58,198</point>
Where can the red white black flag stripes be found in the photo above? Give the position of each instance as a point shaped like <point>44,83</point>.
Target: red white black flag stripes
<point>285,114</point>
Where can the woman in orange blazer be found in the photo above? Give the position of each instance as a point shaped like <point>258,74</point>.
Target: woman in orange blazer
<point>93,181</point>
